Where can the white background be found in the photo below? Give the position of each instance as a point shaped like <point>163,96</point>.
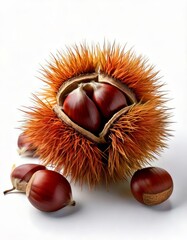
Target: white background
<point>29,32</point>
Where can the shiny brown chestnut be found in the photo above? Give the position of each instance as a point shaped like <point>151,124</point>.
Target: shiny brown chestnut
<point>151,185</point>
<point>82,110</point>
<point>108,98</point>
<point>21,175</point>
<point>90,102</point>
<point>25,148</point>
<point>49,191</point>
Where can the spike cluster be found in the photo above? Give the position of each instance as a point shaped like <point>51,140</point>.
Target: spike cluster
<point>132,140</point>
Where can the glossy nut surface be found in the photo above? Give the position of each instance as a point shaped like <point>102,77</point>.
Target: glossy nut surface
<point>79,107</point>
<point>108,99</point>
<point>92,104</point>
<point>21,175</point>
<point>151,185</point>
<point>49,191</point>
<point>25,171</point>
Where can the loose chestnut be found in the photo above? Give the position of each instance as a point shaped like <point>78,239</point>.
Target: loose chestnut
<point>151,185</point>
<point>21,175</point>
<point>24,146</point>
<point>49,191</point>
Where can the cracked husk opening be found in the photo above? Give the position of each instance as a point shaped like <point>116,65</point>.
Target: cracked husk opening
<point>73,83</point>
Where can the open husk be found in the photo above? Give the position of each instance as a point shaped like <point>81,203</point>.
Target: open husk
<point>129,140</point>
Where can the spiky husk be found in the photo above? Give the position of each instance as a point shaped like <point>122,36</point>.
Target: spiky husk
<point>133,140</point>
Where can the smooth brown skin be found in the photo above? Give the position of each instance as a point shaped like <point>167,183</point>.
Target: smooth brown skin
<point>92,102</point>
<point>49,191</point>
<point>153,181</point>
<point>21,175</point>
<point>108,99</point>
<point>82,110</point>
<point>25,171</point>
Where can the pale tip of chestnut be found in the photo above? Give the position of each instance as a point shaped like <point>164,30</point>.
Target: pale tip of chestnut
<point>9,190</point>
<point>72,203</point>
<point>25,148</point>
<point>25,152</point>
<point>13,187</point>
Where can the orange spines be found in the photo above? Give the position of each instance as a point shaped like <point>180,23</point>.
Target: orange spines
<point>61,147</point>
<point>132,141</point>
<point>76,61</point>
<point>137,138</point>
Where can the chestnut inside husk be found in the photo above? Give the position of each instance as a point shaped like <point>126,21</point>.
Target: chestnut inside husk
<point>115,146</point>
<point>86,84</point>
